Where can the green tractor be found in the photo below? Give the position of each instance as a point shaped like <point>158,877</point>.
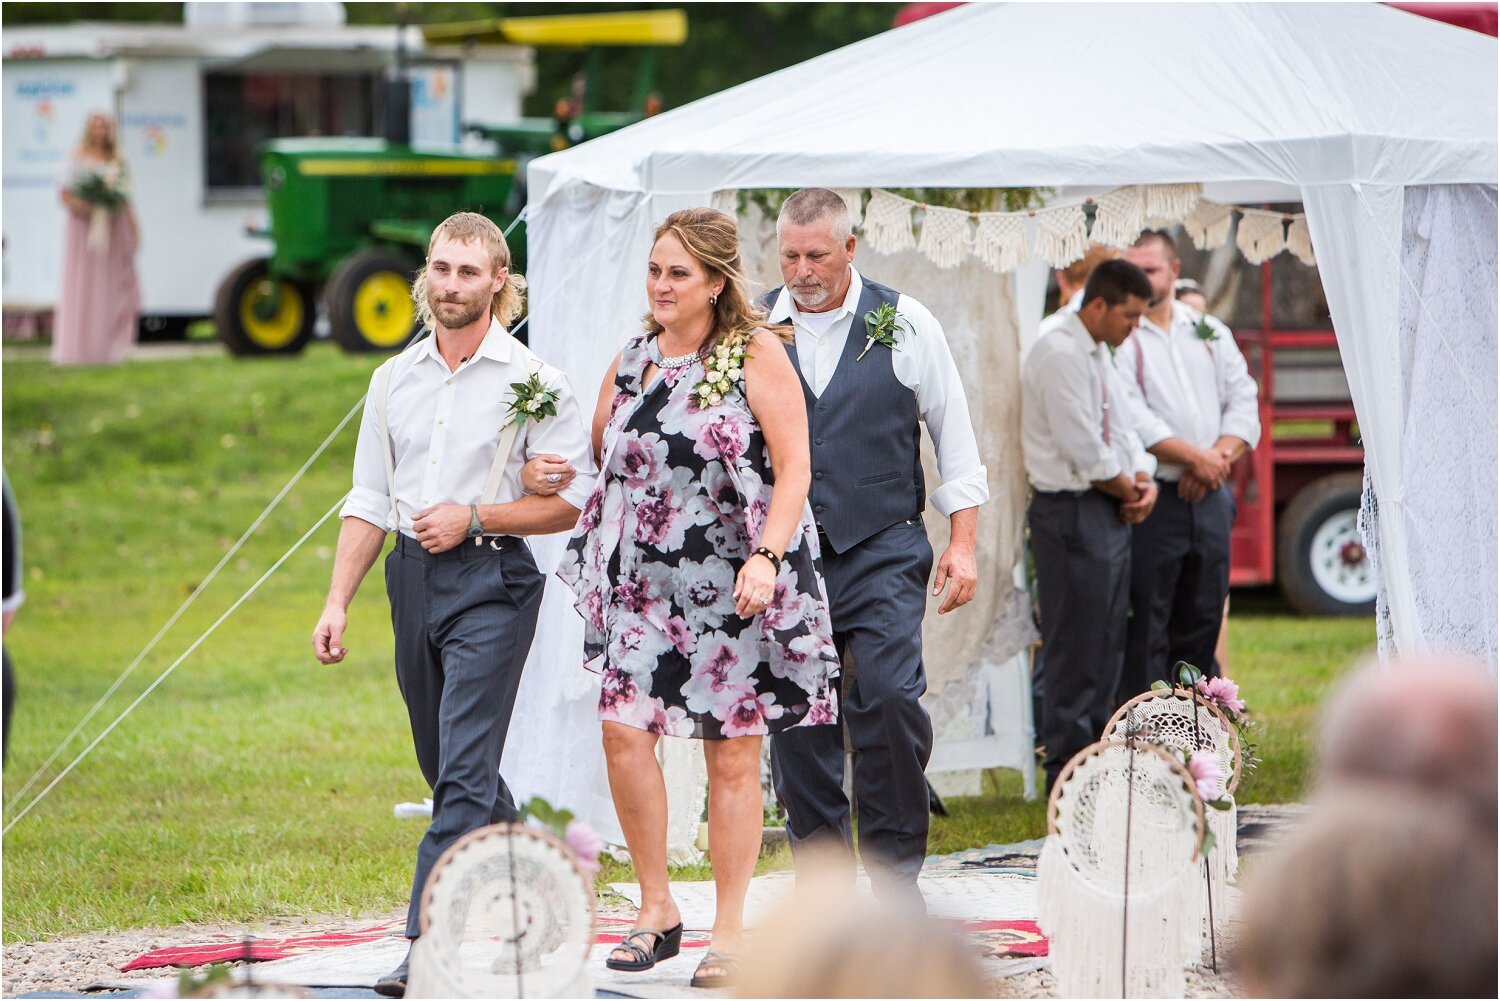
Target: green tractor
<point>350,218</point>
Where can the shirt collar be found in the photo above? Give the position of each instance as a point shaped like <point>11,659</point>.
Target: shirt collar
<point>783,307</point>
<point>1180,314</point>
<point>497,345</point>
<point>1074,328</point>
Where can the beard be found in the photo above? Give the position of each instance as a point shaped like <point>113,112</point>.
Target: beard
<point>454,314</point>
<point>809,295</point>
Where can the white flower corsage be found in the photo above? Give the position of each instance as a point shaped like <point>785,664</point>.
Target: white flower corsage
<point>533,401</point>
<point>721,370</point>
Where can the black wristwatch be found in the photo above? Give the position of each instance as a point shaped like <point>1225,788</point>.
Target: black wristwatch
<point>476,527</point>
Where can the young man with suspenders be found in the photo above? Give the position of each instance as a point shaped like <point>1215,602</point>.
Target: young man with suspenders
<point>444,436</point>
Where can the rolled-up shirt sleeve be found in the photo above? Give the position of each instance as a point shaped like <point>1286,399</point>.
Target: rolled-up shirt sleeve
<point>1068,400</point>
<point>369,499</point>
<point>1241,416</point>
<point>944,408</point>
<point>566,435</point>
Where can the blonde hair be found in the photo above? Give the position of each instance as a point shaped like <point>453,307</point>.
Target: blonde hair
<point>467,227</point>
<point>711,238</point>
<point>111,145</point>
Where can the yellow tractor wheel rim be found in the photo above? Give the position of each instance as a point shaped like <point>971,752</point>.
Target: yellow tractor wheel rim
<point>271,328</point>
<point>383,310</point>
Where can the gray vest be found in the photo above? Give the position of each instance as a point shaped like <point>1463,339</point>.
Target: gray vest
<point>866,442</point>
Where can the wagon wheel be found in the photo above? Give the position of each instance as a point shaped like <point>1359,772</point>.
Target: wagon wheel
<point>256,312</point>
<point>369,301</point>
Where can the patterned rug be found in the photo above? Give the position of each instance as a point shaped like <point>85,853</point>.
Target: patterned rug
<point>986,892</point>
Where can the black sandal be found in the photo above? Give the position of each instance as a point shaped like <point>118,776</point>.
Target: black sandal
<point>668,944</point>
<point>725,961</point>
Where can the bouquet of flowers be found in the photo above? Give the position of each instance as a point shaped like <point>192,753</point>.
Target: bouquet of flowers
<point>105,190</point>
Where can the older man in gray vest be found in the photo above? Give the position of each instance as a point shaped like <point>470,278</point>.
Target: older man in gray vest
<point>874,363</point>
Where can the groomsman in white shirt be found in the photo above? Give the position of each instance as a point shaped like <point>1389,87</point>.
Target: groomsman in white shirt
<point>1092,481</point>
<point>1201,414</point>
<point>438,461</point>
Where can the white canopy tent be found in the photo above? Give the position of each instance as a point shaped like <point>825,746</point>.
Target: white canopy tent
<point>1381,123</point>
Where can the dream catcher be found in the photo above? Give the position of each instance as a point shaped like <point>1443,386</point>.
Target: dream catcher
<point>507,912</point>
<point>1182,720</point>
<point>1118,880</point>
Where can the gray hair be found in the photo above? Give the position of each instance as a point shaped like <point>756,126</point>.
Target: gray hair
<point>812,205</point>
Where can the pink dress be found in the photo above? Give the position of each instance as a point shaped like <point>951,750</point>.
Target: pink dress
<point>99,302</point>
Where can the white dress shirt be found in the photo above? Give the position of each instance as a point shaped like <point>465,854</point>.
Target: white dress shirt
<point>1068,386</point>
<point>1196,390</point>
<point>445,428</point>
<point>922,363</point>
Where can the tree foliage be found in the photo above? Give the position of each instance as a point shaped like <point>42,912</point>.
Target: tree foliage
<point>727,43</point>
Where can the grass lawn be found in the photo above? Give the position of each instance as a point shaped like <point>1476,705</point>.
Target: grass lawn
<point>255,782</point>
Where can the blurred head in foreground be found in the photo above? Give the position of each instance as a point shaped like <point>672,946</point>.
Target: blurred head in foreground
<point>1374,896</point>
<point>827,941</point>
<point>1426,725</point>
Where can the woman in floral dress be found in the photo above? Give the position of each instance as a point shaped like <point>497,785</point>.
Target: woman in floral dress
<point>704,612</point>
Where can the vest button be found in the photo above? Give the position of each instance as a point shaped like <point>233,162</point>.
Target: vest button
<point>817,476</point>
<point>818,508</point>
<point>817,441</point>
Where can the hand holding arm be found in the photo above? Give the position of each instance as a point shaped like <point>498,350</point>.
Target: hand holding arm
<point>534,475</point>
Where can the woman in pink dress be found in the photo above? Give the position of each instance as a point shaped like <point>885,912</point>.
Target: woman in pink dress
<point>94,322</point>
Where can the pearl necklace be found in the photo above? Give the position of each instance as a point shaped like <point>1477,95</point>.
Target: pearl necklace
<point>680,361</point>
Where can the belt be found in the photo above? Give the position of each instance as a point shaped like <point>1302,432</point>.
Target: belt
<point>1061,494</point>
<point>489,547</point>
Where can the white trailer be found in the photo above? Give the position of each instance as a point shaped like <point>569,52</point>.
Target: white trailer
<point>191,102</point>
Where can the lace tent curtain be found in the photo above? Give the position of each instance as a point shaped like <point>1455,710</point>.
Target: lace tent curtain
<point>1448,364</point>
<point>977,310</point>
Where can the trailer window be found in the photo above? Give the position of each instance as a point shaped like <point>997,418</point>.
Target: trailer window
<point>243,109</point>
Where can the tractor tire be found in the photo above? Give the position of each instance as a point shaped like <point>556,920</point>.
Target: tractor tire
<point>1321,563</point>
<point>369,301</point>
<point>256,314</point>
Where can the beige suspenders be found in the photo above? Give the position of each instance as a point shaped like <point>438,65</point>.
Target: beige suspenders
<point>380,392</point>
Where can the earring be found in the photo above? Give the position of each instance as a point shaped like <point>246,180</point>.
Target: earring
<point>713,299</point>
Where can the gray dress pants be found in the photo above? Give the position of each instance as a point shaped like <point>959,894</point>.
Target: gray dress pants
<point>877,596</point>
<point>463,623</point>
<point>1179,578</point>
<point>1081,549</point>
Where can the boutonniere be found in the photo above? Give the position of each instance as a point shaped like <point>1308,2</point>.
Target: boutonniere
<point>533,401</point>
<point>881,326</point>
<point>721,370</point>
<point>1205,331</point>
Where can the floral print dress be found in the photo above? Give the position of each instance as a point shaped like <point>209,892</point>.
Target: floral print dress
<point>682,492</point>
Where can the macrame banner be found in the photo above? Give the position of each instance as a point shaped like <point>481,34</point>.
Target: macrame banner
<point>854,201</point>
<point>1119,217</point>
<point>1062,235</point>
<point>1299,240</point>
<point>946,238</point>
<point>1166,204</point>
<point>889,223</point>
<point>1208,224</point>
<point>1262,234</point>
<point>1000,240</point>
